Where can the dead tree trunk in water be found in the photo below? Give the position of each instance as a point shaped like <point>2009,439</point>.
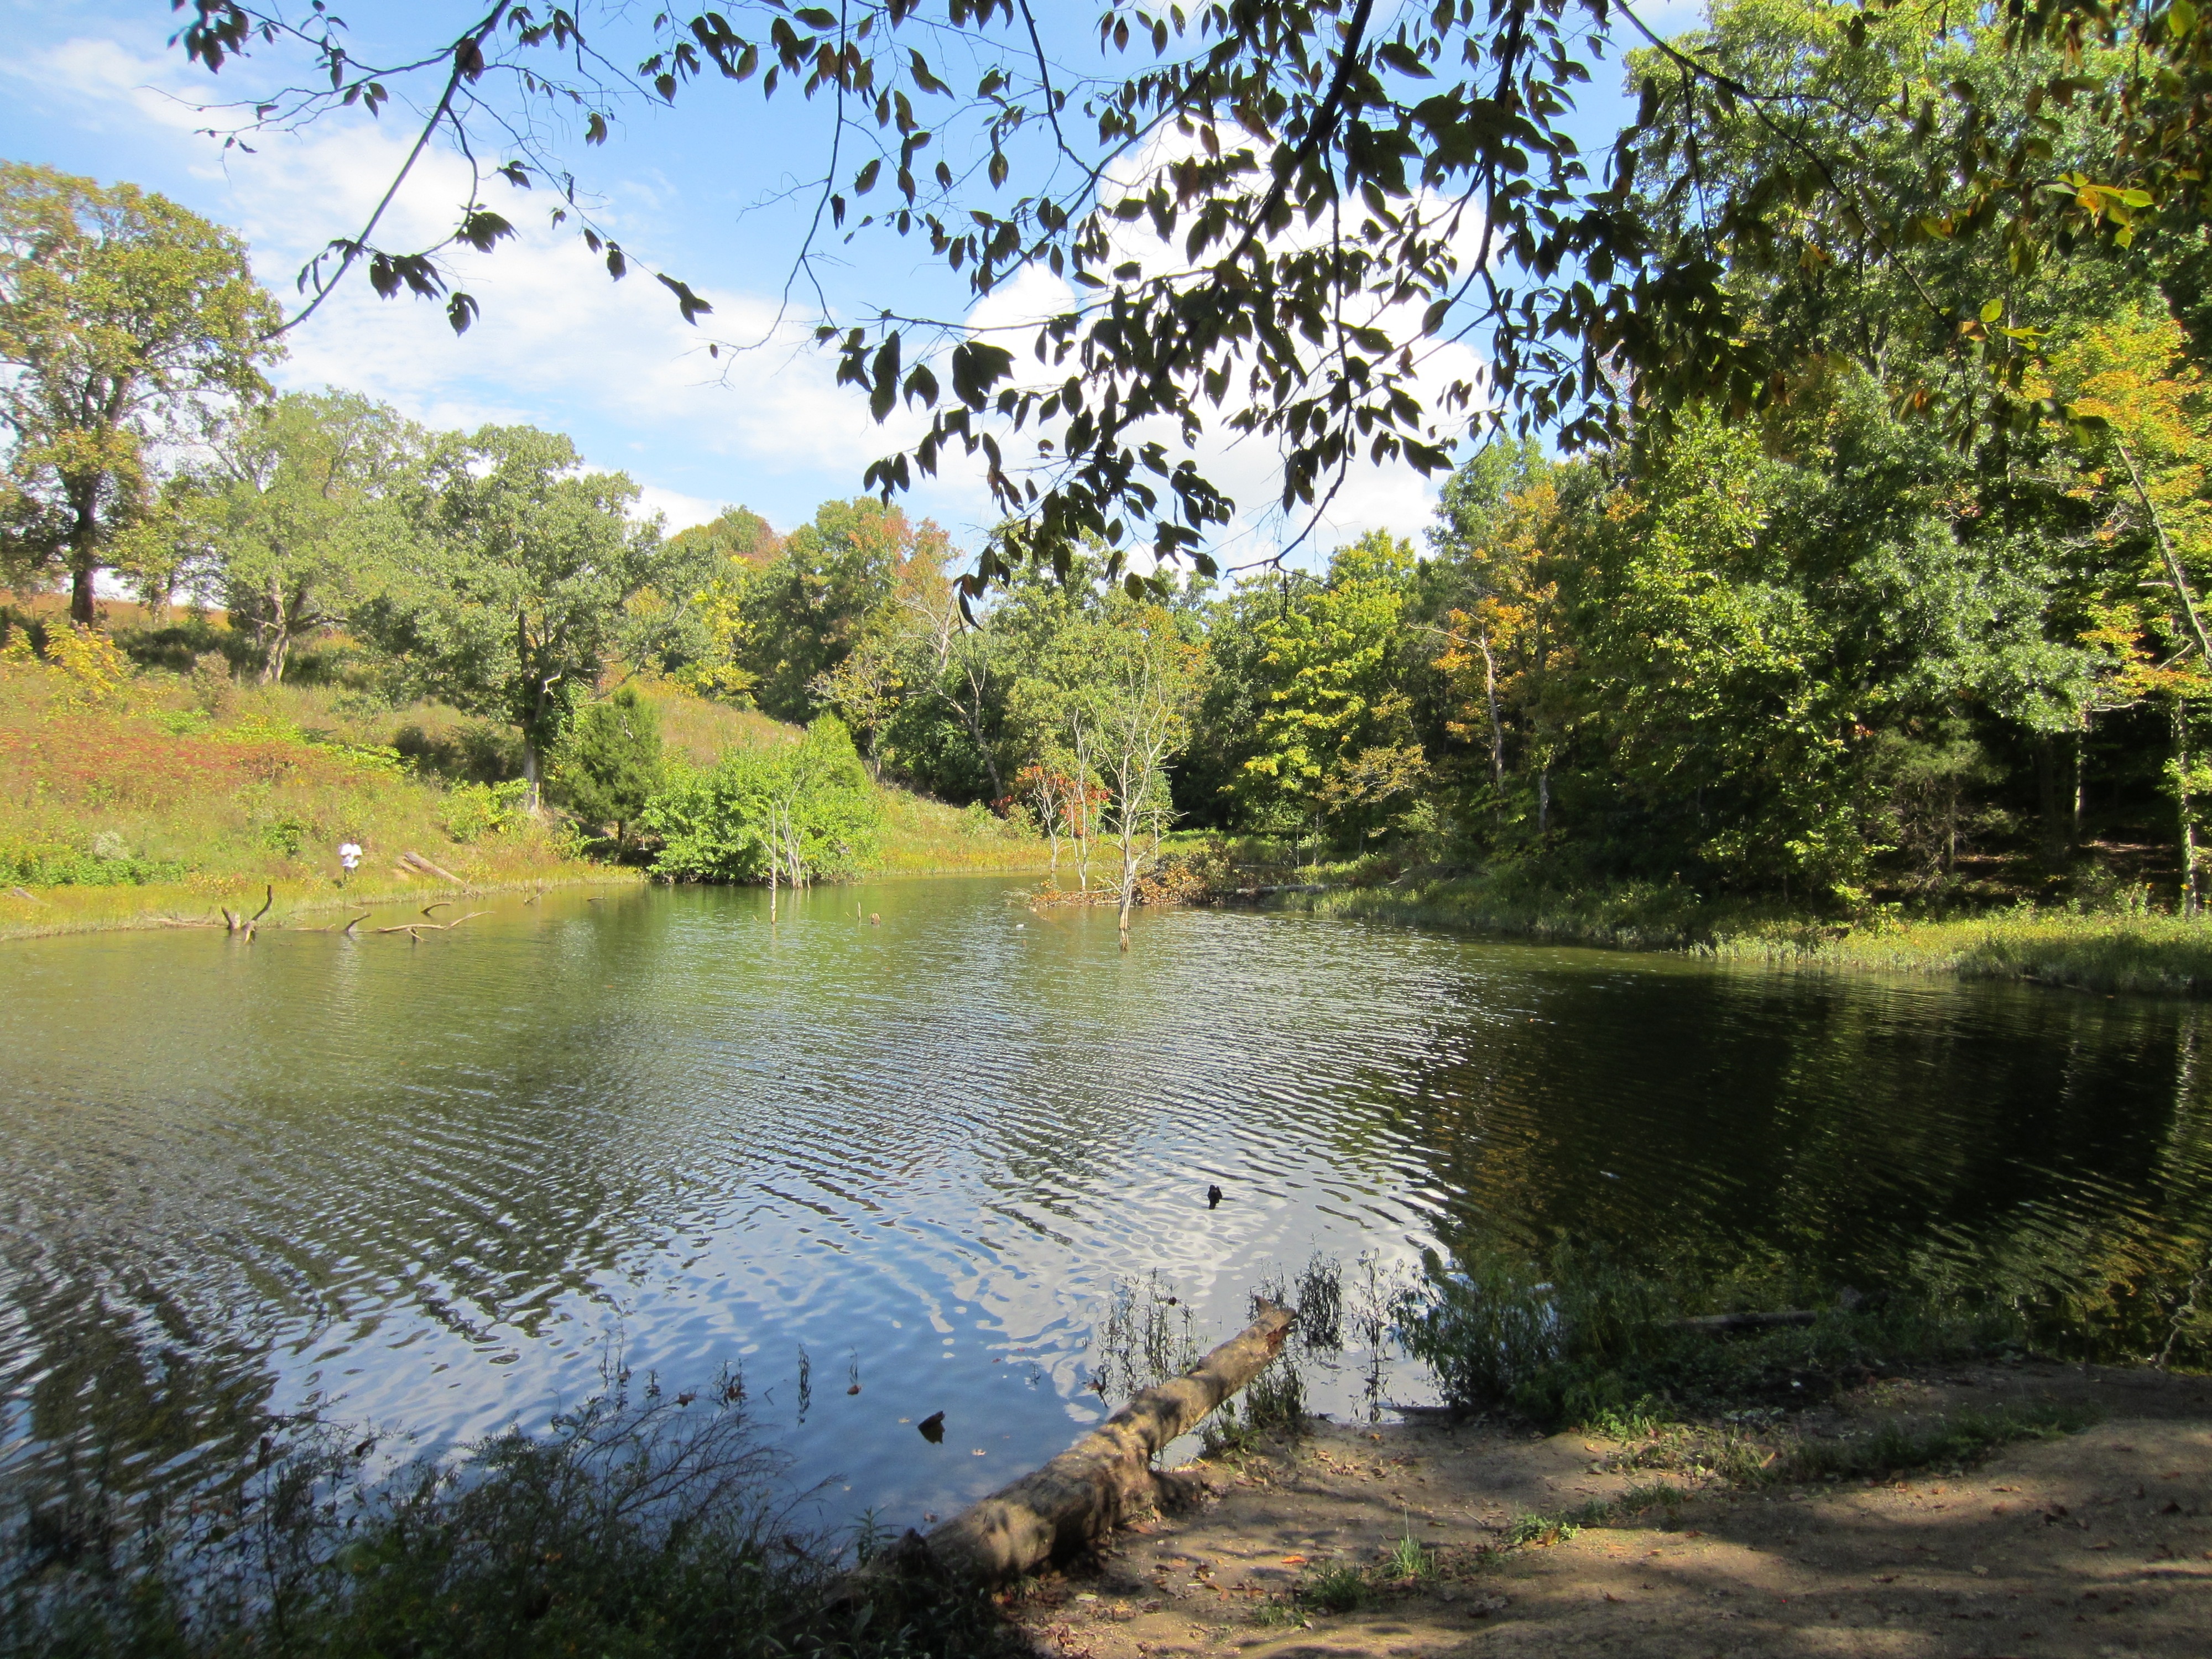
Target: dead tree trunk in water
<point>1105,1478</point>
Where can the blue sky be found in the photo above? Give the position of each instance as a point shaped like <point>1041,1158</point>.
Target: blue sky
<point>92,87</point>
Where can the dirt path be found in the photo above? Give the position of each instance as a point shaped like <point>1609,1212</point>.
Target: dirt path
<point>2096,1544</point>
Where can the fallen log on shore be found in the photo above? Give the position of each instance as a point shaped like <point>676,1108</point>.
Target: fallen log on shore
<point>417,864</point>
<point>1103,1479</point>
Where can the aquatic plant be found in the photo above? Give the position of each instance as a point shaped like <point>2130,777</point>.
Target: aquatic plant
<point>637,1526</point>
<point>1583,1336</point>
<point>1149,1336</point>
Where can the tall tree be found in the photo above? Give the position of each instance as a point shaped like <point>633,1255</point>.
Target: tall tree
<point>509,598</point>
<point>809,608</point>
<point>303,496</point>
<point>123,319</point>
<point>1336,747</point>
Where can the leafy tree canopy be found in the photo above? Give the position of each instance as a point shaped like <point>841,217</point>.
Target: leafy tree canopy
<point>508,597</point>
<point>1271,217</point>
<point>124,320</point>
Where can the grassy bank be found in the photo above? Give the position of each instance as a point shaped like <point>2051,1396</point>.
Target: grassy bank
<point>129,799</point>
<point>2117,951</point>
<point>136,798</point>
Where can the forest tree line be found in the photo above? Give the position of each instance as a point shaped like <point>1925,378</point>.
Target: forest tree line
<point>1811,640</point>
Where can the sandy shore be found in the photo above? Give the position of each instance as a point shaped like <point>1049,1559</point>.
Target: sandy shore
<point>2096,1544</point>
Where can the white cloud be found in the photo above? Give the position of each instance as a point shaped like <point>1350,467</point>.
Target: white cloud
<point>680,511</point>
<point>556,342</point>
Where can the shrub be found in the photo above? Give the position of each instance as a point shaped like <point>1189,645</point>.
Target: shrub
<point>608,767</point>
<point>474,810</point>
<point>93,670</point>
<point>180,646</point>
<point>795,812</point>
<point>106,863</point>
<point>287,834</point>
<point>637,1528</point>
<point>473,751</point>
<point>1584,1339</point>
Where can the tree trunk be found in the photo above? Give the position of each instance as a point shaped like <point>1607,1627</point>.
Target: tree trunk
<point>275,632</point>
<point>1079,1499</point>
<point>1049,814</point>
<point>83,548</point>
<point>533,770</point>
<point>2188,838</point>
<point>1543,798</point>
<point>1497,726</point>
<point>2056,846</point>
<point>2080,774</point>
<point>1128,883</point>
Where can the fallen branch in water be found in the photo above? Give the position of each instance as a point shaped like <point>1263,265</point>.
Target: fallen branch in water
<point>334,928</point>
<point>239,923</point>
<point>418,928</point>
<point>1103,1479</point>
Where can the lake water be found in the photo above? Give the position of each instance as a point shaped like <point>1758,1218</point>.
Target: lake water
<point>435,1187</point>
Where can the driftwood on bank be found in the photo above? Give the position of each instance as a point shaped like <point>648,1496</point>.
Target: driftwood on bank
<point>417,864</point>
<point>1103,1479</point>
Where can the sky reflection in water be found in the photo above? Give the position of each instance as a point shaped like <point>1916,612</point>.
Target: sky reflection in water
<point>438,1185</point>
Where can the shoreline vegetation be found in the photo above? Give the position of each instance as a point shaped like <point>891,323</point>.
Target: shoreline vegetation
<point>145,796</point>
<point>2115,951</point>
<point>643,1524</point>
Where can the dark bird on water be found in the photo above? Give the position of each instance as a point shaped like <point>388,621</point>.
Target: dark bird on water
<point>932,1428</point>
<point>1213,1198</point>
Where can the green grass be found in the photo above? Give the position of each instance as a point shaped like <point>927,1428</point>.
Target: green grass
<point>1342,1588</point>
<point>140,797</point>
<point>2115,951</point>
<point>636,1527</point>
<point>1955,1444</point>
<point>1948,1445</point>
<point>923,836</point>
<point>163,795</point>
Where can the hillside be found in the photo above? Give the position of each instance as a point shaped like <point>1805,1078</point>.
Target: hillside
<point>131,796</point>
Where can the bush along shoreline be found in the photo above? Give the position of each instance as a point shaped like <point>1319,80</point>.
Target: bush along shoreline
<point>637,1526</point>
<point>2125,946</point>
